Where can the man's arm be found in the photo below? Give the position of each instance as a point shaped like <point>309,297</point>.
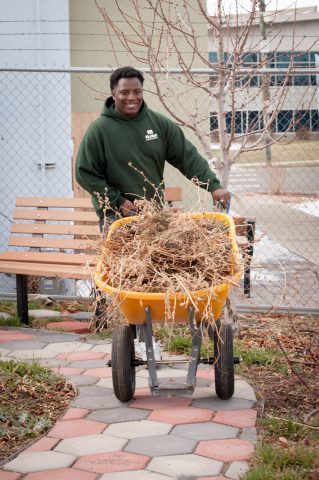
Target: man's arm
<point>182,154</point>
<point>90,171</point>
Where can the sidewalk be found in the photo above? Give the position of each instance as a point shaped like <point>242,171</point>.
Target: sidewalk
<point>153,438</point>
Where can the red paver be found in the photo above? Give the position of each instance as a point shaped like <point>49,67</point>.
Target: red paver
<point>237,418</point>
<point>206,374</point>
<point>9,475</point>
<point>68,370</point>
<point>82,356</point>
<point>112,462</point>
<point>75,413</point>
<point>142,392</point>
<point>211,478</point>
<point>76,428</point>
<point>61,474</point>
<point>69,326</point>
<point>226,450</point>
<point>101,372</point>
<point>158,403</point>
<point>42,445</point>
<point>8,336</point>
<point>180,415</point>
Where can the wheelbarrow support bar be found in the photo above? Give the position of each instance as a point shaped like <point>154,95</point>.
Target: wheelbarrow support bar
<point>189,385</point>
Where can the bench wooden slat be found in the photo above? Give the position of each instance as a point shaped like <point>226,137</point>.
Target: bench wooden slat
<point>67,202</point>
<point>46,269</point>
<point>45,257</point>
<point>56,229</point>
<point>61,243</point>
<point>57,215</point>
<point>173,194</point>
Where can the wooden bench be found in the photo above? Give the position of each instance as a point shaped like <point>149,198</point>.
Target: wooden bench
<point>57,238</point>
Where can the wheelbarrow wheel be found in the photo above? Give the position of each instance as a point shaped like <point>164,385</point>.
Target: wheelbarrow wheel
<point>123,369</point>
<point>224,365</point>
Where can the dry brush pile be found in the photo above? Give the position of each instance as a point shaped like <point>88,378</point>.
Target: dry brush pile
<point>170,252</point>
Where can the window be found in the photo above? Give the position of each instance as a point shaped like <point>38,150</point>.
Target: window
<point>314,116</point>
<point>284,121</point>
<point>213,122</point>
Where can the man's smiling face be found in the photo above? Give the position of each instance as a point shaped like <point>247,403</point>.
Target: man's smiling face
<point>128,96</point>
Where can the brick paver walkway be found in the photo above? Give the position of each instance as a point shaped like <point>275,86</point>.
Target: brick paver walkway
<point>151,438</point>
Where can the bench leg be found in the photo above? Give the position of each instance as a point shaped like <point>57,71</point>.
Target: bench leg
<point>22,298</point>
<point>250,252</point>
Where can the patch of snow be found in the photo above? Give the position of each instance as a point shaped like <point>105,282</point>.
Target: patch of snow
<point>309,206</point>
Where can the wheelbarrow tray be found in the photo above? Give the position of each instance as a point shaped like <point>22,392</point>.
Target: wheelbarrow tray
<point>132,303</point>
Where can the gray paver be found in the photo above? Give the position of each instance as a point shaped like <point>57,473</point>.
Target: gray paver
<point>157,445</point>
<point>54,337</point>
<point>3,352</point>
<point>205,431</point>
<point>92,391</point>
<point>143,428</point>
<point>118,415</point>
<point>215,403</point>
<point>244,390</point>
<point>98,402</point>
<point>237,470</point>
<point>134,475</point>
<point>25,344</point>
<point>68,347</point>
<point>37,461</point>
<point>81,380</point>
<point>82,316</point>
<point>53,362</point>
<point>88,364</point>
<point>105,347</point>
<point>42,313</point>
<point>249,434</point>
<point>188,465</point>
<point>30,354</point>
<point>203,392</point>
<point>90,444</point>
<point>108,382</point>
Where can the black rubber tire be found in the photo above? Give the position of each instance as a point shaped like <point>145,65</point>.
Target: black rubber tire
<point>123,370</point>
<point>224,365</point>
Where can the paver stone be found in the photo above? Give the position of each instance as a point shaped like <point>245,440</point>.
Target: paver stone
<point>111,462</point>
<point>226,450</point>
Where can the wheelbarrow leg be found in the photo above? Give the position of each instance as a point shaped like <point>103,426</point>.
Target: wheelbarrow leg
<point>153,381</point>
<point>196,346</point>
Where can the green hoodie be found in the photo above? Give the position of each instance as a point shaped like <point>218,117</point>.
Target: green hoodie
<point>124,158</point>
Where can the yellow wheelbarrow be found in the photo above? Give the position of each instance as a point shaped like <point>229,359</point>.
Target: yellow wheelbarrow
<point>142,309</point>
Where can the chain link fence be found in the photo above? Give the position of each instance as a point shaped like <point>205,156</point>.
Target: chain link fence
<point>45,113</point>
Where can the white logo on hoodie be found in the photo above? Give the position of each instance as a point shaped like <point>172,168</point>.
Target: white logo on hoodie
<point>150,135</point>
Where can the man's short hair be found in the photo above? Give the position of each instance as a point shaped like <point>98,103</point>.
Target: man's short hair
<point>125,72</point>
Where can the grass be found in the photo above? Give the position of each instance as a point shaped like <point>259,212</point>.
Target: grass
<point>32,399</point>
<point>297,151</point>
<point>256,355</point>
<point>275,462</point>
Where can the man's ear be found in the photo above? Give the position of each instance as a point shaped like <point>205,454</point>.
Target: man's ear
<point>112,93</point>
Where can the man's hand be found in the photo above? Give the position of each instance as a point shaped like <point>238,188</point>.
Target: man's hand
<point>221,195</point>
<point>127,208</point>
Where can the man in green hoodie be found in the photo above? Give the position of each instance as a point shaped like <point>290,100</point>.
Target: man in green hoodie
<point>122,157</point>
<point>123,153</point>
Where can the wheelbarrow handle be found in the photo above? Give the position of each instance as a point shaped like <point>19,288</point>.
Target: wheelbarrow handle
<point>220,207</point>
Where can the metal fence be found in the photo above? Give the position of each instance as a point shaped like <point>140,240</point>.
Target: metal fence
<point>45,113</point>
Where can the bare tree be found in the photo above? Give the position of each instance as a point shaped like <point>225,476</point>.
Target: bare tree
<point>167,34</point>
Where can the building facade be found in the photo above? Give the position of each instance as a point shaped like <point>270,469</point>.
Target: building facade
<point>291,42</point>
